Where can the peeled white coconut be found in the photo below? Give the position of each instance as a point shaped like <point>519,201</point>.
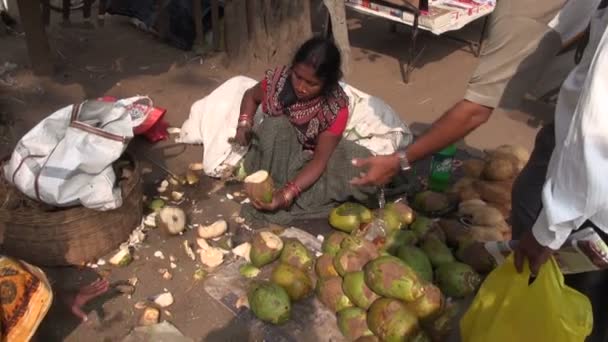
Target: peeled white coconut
<point>196,166</point>
<point>164,299</point>
<point>259,186</point>
<point>189,251</point>
<point>150,220</point>
<point>163,186</point>
<point>211,257</point>
<point>213,230</point>
<point>172,220</point>
<point>202,243</point>
<point>243,250</point>
<point>177,196</point>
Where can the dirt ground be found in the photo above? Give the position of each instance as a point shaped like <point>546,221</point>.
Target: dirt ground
<point>119,60</point>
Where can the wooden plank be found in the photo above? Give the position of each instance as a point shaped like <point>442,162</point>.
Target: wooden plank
<point>35,36</point>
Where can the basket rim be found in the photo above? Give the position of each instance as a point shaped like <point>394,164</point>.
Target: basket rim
<point>68,214</point>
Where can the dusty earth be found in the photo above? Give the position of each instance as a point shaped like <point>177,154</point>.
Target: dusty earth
<point>119,60</point>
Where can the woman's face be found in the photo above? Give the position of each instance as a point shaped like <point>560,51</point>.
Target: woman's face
<point>305,83</point>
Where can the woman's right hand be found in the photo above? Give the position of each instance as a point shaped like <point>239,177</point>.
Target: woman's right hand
<point>243,135</point>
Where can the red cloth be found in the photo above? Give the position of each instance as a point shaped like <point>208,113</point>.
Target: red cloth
<point>338,127</point>
<point>154,128</point>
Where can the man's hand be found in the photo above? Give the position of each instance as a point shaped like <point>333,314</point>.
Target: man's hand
<point>380,170</point>
<point>529,248</point>
<point>243,135</point>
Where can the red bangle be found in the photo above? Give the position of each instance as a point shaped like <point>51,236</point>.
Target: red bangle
<point>294,188</point>
<point>245,117</point>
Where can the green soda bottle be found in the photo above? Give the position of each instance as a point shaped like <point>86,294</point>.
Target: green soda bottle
<point>441,169</point>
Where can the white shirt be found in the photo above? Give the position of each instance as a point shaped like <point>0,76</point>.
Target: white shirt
<point>576,188</point>
<point>573,18</point>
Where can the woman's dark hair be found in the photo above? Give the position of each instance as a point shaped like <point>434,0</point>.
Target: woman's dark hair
<point>324,57</point>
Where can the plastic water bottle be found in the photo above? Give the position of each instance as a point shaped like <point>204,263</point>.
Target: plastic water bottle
<point>441,169</point>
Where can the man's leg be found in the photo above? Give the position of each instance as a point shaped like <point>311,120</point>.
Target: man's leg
<point>594,285</point>
<point>526,199</point>
<point>526,205</point>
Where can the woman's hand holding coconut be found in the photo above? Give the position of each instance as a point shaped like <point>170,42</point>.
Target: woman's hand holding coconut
<point>281,199</point>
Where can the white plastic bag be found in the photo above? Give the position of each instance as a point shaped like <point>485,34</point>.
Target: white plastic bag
<point>67,158</point>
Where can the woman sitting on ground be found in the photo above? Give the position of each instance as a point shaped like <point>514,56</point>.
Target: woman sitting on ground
<point>299,142</point>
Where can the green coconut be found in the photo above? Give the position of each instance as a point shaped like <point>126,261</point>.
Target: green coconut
<point>421,226</point>
<point>357,291</point>
<point>390,277</point>
<point>457,280</point>
<point>391,218</point>
<point>349,261</point>
<point>440,327</point>
<point>249,271</point>
<point>266,247</point>
<point>397,239</point>
<point>415,258</point>
<point>296,254</point>
<point>330,293</point>
<point>405,213</point>
<point>259,186</point>
<point>455,232</point>
<point>430,201</point>
<point>391,321</point>
<point>429,304</point>
<point>352,322</point>
<point>421,336</point>
<point>324,266</point>
<point>437,251</point>
<point>348,217</point>
<point>296,282</point>
<point>475,254</point>
<point>361,246</point>
<point>270,303</point>
<point>331,245</point>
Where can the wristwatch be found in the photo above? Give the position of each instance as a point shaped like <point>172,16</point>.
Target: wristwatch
<point>404,163</point>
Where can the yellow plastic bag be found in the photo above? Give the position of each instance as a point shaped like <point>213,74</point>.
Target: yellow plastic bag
<point>507,309</point>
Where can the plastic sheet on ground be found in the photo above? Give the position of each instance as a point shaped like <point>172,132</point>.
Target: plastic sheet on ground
<point>310,320</point>
<point>161,332</point>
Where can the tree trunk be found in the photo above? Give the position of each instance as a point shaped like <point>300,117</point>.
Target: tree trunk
<point>265,32</point>
<point>339,30</point>
<point>35,36</point>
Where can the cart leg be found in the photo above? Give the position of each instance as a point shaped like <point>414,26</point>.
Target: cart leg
<point>392,27</point>
<point>411,58</point>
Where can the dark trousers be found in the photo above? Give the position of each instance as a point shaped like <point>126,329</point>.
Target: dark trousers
<point>527,204</point>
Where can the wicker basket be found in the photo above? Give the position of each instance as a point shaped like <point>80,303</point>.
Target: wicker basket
<point>72,236</point>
